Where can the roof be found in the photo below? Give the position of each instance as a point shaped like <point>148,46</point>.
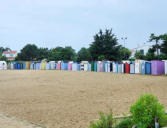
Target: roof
<point>9,52</point>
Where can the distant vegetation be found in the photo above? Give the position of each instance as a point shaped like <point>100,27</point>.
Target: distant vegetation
<point>104,47</point>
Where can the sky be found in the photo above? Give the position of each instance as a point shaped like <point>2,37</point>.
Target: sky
<point>52,23</point>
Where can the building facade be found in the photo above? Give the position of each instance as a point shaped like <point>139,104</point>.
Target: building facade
<point>143,49</point>
<point>10,55</point>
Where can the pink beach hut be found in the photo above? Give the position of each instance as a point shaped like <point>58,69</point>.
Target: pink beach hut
<point>59,65</point>
<point>69,65</point>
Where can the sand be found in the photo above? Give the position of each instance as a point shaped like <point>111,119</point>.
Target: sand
<point>67,99</point>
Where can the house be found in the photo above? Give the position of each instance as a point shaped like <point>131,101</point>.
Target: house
<point>10,55</point>
<point>142,49</point>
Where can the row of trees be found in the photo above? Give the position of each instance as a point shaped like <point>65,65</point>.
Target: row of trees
<point>158,51</point>
<point>104,47</point>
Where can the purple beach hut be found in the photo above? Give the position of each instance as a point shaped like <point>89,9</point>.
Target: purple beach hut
<point>157,67</point>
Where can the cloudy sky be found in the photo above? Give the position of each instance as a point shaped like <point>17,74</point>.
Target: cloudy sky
<point>51,23</point>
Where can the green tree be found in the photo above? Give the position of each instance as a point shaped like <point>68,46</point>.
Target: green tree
<point>28,53</point>
<point>2,49</point>
<point>84,55</point>
<point>150,54</point>
<point>43,53</point>
<point>139,55</point>
<point>55,54</point>
<point>164,44</point>
<point>124,53</point>
<point>146,109</point>
<point>105,44</point>
<point>3,58</point>
<point>156,39</point>
<point>68,53</point>
<point>60,53</point>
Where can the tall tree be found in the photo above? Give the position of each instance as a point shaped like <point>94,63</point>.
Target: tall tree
<point>156,39</point>
<point>68,53</point>
<point>164,44</point>
<point>124,54</point>
<point>3,58</point>
<point>139,55</point>
<point>60,53</point>
<point>43,53</point>
<point>105,44</point>
<point>150,54</point>
<point>84,55</point>
<point>28,53</point>
<point>2,49</point>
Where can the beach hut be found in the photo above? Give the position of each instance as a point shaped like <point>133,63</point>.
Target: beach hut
<point>3,65</point>
<point>114,67</point>
<point>12,65</point>
<point>117,66</point>
<point>111,67</point>
<point>70,65</point>
<point>38,65</point>
<point>9,66</point>
<point>132,68</point>
<point>101,66</point>
<point>147,67</point>
<point>52,65</point>
<point>123,68</point>
<point>89,67</point>
<point>165,66</point>
<point>92,66</point>
<point>95,66</point>
<point>32,65</point>
<point>43,64</point>
<point>86,66</point>
<point>27,65</point>
<point>18,65</point>
<point>137,66</point>
<point>106,66</point>
<point>62,65</point>
<point>74,66</point>
<point>78,67</point>
<point>23,65</point>
<point>142,67</point>
<point>98,66</point>
<point>47,66</point>
<point>59,65</point>
<point>120,68</point>
<point>157,67</point>
<point>127,68</point>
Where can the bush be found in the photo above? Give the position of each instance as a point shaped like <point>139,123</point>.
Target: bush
<point>125,123</point>
<point>145,110</point>
<point>105,121</point>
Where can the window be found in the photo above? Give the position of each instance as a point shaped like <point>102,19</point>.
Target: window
<point>142,51</point>
<point>11,55</point>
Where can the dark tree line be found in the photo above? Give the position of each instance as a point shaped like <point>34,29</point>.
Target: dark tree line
<point>104,47</point>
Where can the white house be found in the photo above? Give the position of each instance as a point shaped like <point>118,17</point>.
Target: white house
<point>10,55</point>
<point>143,49</point>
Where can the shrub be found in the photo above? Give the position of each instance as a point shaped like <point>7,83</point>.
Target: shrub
<point>146,109</point>
<point>125,123</point>
<point>105,121</point>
